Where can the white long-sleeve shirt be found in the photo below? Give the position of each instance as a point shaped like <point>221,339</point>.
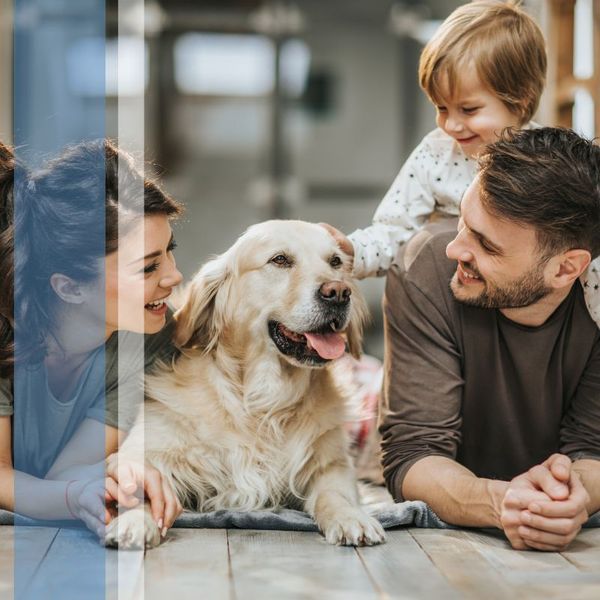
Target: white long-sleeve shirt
<point>432,180</point>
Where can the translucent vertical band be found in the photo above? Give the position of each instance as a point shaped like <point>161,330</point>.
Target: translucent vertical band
<point>130,127</point>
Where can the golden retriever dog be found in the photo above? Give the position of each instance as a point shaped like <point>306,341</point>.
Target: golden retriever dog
<point>250,415</point>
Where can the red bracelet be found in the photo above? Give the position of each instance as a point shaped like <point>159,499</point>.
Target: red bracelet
<point>67,498</point>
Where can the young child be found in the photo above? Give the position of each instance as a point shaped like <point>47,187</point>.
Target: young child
<point>484,70</point>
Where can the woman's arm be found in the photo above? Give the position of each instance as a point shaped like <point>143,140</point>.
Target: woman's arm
<point>85,458</point>
<point>86,451</point>
<point>62,500</point>
<point>7,483</point>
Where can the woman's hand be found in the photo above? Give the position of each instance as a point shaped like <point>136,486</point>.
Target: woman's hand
<point>85,501</point>
<point>128,482</point>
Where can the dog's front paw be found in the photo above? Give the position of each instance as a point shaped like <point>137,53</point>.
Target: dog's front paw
<point>133,530</point>
<point>352,527</point>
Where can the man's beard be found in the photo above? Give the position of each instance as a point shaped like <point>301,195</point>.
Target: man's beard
<point>525,291</point>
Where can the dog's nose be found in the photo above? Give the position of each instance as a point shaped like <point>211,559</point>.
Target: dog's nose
<point>335,292</point>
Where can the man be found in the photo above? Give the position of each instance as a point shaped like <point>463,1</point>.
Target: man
<point>492,380</point>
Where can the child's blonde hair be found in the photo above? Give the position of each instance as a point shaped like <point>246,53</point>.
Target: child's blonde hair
<point>504,44</point>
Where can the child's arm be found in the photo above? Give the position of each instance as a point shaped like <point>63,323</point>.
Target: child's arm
<point>403,210</point>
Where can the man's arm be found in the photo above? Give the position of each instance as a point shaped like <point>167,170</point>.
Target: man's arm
<point>589,473</point>
<point>580,429</point>
<point>423,382</point>
<point>457,496</point>
<point>454,493</point>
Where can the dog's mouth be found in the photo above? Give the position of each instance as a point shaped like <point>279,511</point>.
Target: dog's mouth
<point>314,347</point>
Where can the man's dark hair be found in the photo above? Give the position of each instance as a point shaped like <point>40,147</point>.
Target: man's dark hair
<point>548,178</point>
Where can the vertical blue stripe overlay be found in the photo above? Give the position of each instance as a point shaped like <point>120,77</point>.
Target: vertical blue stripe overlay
<point>59,208</point>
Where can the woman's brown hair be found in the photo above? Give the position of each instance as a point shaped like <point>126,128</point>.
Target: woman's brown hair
<point>56,215</point>
<point>7,170</point>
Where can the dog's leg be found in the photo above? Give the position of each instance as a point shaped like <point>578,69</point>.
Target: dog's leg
<point>134,529</point>
<point>333,502</point>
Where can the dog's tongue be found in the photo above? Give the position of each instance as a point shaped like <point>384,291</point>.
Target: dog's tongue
<point>327,345</point>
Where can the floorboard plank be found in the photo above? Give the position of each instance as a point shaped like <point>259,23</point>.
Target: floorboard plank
<point>73,568</point>
<point>22,550</point>
<point>533,574</point>
<point>401,569</point>
<point>191,562</point>
<point>7,548</point>
<point>124,574</point>
<point>462,564</point>
<point>495,547</point>
<point>584,552</point>
<point>272,565</point>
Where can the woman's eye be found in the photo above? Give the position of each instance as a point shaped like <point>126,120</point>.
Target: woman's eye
<point>441,108</point>
<point>469,110</point>
<point>281,260</point>
<point>151,268</point>
<point>335,262</point>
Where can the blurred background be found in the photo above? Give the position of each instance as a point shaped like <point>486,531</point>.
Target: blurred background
<point>258,109</point>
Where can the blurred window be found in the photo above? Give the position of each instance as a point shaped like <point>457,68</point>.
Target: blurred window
<point>295,66</point>
<point>224,64</point>
<point>583,61</point>
<point>583,113</point>
<point>237,65</point>
<point>583,67</point>
<point>83,64</point>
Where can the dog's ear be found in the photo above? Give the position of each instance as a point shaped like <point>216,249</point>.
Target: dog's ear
<point>358,318</point>
<point>201,319</point>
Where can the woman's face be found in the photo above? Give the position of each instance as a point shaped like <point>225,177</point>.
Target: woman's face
<point>140,276</point>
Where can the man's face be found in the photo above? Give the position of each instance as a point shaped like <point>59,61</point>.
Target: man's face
<point>499,262</point>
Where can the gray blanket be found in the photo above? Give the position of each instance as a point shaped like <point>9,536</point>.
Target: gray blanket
<point>416,514</point>
<point>413,514</point>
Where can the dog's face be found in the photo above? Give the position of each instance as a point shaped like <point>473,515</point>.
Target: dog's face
<point>285,285</point>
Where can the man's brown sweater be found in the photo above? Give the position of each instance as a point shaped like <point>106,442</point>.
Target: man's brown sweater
<point>471,385</point>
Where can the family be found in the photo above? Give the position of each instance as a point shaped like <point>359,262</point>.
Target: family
<point>490,241</point>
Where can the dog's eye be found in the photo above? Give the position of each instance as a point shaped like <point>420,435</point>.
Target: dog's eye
<point>281,260</point>
<point>335,261</point>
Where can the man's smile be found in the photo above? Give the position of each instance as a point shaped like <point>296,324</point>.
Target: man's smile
<point>467,276</point>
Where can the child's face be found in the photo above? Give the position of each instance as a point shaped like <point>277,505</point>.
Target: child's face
<point>473,115</point>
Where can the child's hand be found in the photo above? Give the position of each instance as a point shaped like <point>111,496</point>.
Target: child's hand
<point>342,241</point>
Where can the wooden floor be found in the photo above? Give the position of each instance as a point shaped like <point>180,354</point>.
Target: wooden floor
<point>242,564</point>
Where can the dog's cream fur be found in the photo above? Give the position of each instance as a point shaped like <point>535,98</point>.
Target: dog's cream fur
<point>236,424</point>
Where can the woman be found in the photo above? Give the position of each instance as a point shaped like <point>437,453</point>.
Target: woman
<point>58,341</point>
